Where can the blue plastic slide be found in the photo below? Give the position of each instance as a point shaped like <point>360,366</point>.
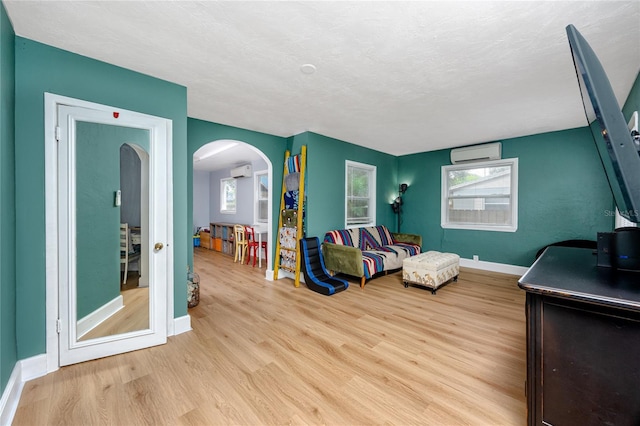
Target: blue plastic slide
<point>315,274</point>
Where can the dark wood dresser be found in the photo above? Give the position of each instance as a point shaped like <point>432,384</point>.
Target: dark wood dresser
<point>583,341</point>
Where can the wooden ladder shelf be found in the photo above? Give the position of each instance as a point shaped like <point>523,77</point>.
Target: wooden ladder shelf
<point>290,222</point>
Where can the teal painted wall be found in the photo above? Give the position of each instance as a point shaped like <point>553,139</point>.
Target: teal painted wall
<point>8,345</point>
<point>562,194</point>
<point>39,69</point>
<point>202,132</point>
<point>325,188</point>
<point>97,216</point>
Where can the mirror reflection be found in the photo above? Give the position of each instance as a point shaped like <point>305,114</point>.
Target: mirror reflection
<point>112,198</point>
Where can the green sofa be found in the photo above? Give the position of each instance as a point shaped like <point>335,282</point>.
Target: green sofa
<point>367,251</point>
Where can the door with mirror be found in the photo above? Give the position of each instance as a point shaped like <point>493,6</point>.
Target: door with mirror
<point>113,232</point>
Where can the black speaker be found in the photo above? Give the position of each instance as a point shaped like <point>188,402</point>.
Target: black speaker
<point>626,249</point>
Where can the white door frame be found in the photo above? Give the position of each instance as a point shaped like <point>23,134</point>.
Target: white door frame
<point>51,222</point>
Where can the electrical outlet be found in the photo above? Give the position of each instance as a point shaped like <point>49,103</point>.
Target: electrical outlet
<point>476,258</point>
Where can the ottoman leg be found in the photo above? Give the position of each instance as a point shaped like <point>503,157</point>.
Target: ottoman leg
<point>455,279</point>
<point>406,284</point>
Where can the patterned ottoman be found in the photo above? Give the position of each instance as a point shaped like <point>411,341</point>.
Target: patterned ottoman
<point>430,269</point>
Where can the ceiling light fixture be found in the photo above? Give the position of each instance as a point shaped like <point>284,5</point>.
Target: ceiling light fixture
<point>308,69</point>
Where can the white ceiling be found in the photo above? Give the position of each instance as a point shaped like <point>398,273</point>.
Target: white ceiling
<point>397,77</point>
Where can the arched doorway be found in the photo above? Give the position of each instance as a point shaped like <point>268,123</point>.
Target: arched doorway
<point>225,159</point>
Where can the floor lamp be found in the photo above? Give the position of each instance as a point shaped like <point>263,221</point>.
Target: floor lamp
<point>397,203</point>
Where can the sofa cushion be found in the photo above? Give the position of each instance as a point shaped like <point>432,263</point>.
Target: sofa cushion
<point>387,258</point>
<point>408,249</point>
<point>373,262</point>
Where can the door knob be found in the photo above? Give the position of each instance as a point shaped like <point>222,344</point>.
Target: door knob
<point>158,246</point>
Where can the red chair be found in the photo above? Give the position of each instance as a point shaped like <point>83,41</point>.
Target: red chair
<point>252,245</point>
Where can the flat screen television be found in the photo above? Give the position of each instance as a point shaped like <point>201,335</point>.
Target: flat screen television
<point>619,151</point>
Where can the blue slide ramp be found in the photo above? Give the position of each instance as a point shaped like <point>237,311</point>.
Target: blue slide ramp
<point>315,274</point>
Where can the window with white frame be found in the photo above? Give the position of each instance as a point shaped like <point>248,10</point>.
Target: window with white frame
<point>481,196</point>
<point>360,192</point>
<point>261,180</point>
<point>227,195</point>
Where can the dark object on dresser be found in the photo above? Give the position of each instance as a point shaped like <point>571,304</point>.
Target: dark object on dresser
<point>626,249</point>
<point>620,249</point>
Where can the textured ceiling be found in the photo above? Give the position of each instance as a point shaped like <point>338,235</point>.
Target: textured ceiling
<point>398,77</point>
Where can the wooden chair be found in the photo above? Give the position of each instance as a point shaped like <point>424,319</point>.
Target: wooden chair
<point>127,254</point>
<point>252,245</point>
<point>240,238</point>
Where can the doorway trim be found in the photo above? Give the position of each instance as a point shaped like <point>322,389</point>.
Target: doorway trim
<point>51,103</point>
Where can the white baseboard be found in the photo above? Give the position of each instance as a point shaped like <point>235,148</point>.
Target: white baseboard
<point>180,325</point>
<point>34,367</point>
<point>268,275</point>
<point>101,314</point>
<point>493,267</point>
<point>23,371</point>
<point>11,396</point>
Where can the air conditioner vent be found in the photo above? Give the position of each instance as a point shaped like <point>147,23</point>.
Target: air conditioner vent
<point>242,171</point>
<point>485,152</point>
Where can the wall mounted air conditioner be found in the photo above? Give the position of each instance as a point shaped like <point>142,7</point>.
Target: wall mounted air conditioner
<point>485,152</point>
<point>242,171</point>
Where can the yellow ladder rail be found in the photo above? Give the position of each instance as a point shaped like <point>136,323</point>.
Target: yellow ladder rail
<point>299,225</point>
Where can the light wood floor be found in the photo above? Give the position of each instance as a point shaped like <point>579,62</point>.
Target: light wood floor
<point>133,316</point>
<point>265,353</point>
